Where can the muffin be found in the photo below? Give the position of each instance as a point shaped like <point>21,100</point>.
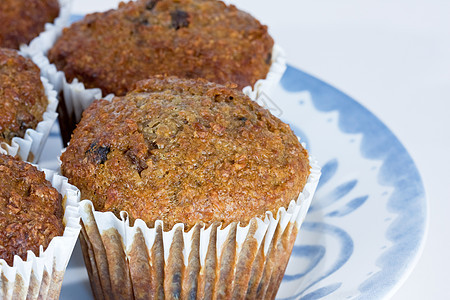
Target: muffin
<point>189,39</point>
<point>23,20</point>
<point>22,93</point>
<point>38,229</point>
<point>24,103</point>
<point>31,209</point>
<point>186,163</point>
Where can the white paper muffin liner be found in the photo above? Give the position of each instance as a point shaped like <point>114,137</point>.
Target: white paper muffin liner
<point>41,277</point>
<point>29,147</point>
<point>139,262</point>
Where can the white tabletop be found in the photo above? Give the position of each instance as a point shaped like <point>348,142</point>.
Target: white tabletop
<point>394,58</point>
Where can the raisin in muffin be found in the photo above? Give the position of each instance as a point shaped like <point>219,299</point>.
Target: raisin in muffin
<point>23,20</point>
<point>190,38</point>
<point>202,152</point>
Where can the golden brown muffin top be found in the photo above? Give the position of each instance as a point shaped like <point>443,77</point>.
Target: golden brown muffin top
<point>22,95</point>
<point>185,151</point>
<point>31,209</point>
<point>185,38</point>
<point>23,20</point>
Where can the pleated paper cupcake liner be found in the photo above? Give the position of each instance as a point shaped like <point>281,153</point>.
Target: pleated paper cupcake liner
<point>29,147</point>
<point>234,262</point>
<point>40,277</point>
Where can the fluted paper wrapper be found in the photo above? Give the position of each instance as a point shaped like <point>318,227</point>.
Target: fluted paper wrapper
<point>40,277</point>
<point>29,148</point>
<point>138,262</point>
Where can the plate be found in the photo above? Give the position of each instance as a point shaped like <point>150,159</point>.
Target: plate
<point>366,226</point>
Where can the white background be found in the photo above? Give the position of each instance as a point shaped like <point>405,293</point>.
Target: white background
<point>394,58</point>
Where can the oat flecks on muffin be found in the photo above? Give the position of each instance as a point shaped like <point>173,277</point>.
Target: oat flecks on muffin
<point>30,209</point>
<point>185,151</point>
<point>22,95</point>
<point>187,38</point>
<point>23,20</point>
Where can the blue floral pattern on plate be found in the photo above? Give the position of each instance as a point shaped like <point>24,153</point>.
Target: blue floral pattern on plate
<point>366,225</point>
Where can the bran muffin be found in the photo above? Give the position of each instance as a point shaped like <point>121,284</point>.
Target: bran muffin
<point>190,38</point>
<point>23,100</point>
<point>23,20</point>
<point>207,192</point>
<point>185,151</point>
<point>39,226</point>
<point>31,209</point>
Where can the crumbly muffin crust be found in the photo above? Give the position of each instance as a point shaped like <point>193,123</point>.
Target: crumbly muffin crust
<point>187,38</point>
<point>185,151</point>
<point>23,20</point>
<point>30,209</point>
<point>22,95</point>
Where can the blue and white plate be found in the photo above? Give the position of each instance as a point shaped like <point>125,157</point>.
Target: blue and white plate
<point>367,223</point>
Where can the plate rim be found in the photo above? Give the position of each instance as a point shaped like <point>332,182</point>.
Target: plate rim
<point>298,75</point>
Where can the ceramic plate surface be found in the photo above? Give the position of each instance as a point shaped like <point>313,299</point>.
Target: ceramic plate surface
<point>366,226</point>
